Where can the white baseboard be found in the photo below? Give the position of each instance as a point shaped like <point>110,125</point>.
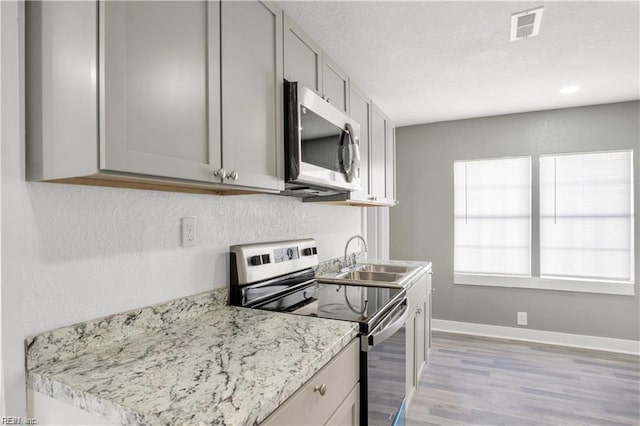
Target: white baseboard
<point>539,336</point>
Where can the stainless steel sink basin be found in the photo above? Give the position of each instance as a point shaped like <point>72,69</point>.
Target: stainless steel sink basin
<point>370,276</point>
<point>374,274</point>
<point>395,269</point>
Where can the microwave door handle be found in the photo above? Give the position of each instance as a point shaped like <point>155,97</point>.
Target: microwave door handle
<point>374,339</point>
<point>350,153</point>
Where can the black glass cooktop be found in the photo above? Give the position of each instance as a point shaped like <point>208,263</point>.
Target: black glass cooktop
<point>341,302</point>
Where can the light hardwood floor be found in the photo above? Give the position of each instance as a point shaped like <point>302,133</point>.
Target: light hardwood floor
<point>481,381</point>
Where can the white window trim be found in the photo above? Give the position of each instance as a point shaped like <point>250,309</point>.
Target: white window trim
<point>560,284</point>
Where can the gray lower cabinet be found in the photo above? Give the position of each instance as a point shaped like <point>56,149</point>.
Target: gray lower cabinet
<point>330,397</point>
<point>252,147</point>
<point>183,94</point>
<point>418,332</point>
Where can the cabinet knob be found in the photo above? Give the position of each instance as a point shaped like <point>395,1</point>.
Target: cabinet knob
<point>328,100</point>
<point>220,173</point>
<point>233,175</point>
<point>321,389</point>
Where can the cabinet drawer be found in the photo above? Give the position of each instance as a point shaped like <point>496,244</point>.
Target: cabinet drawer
<point>307,406</point>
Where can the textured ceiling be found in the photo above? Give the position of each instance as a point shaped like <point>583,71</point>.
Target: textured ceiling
<point>428,61</point>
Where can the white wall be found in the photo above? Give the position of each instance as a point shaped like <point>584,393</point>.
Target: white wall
<point>96,251</point>
<point>72,253</point>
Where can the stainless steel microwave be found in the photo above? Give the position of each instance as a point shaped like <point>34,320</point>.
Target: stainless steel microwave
<point>322,155</point>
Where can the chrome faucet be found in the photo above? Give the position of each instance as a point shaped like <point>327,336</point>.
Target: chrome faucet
<point>350,262</point>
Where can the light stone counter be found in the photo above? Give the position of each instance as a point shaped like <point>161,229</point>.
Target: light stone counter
<point>190,361</point>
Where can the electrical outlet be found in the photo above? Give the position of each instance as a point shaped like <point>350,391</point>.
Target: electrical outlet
<point>522,318</point>
<point>188,231</point>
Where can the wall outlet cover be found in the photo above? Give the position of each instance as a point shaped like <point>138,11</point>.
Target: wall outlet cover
<point>522,318</point>
<point>188,231</point>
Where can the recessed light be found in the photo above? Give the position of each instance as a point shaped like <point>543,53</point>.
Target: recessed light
<point>570,89</point>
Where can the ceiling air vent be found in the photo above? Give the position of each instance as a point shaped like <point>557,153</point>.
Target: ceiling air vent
<point>526,24</point>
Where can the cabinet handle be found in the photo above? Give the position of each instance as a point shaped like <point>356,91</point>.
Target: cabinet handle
<point>233,175</point>
<point>328,100</point>
<point>321,389</point>
<point>219,173</point>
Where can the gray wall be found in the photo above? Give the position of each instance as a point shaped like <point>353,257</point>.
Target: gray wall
<point>422,224</point>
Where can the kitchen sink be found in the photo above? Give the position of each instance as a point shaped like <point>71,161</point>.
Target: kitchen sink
<point>394,269</point>
<point>370,276</point>
<point>375,274</point>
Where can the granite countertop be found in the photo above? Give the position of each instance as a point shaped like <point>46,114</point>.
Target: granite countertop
<point>190,361</point>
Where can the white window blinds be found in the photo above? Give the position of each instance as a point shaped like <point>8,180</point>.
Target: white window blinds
<point>492,204</point>
<point>586,216</point>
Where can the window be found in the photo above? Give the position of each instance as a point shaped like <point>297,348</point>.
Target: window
<point>492,205</point>
<point>586,216</point>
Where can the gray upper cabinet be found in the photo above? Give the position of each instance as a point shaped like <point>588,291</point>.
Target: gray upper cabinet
<point>252,147</point>
<point>302,57</point>
<point>390,174</point>
<point>378,154</point>
<point>335,84</point>
<point>160,115</point>
<point>132,94</point>
<point>306,63</point>
<point>360,108</point>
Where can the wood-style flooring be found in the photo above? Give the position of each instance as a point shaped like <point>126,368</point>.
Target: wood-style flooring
<point>481,381</point>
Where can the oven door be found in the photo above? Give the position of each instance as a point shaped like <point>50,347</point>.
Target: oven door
<point>321,142</point>
<point>383,353</point>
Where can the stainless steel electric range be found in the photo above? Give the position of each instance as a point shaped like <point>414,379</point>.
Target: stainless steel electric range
<point>279,276</point>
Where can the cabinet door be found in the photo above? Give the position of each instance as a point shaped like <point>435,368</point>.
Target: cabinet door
<point>360,109</point>
<point>348,413</point>
<point>378,154</point>
<point>252,147</point>
<point>429,314</point>
<point>302,57</point>
<point>411,359</point>
<point>160,116</point>
<point>335,84</point>
<point>390,174</point>
<point>420,336</point>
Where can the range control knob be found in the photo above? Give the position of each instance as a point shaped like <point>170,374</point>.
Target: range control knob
<point>309,251</point>
<point>255,260</point>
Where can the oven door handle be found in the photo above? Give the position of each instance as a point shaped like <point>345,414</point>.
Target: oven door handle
<point>378,337</point>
